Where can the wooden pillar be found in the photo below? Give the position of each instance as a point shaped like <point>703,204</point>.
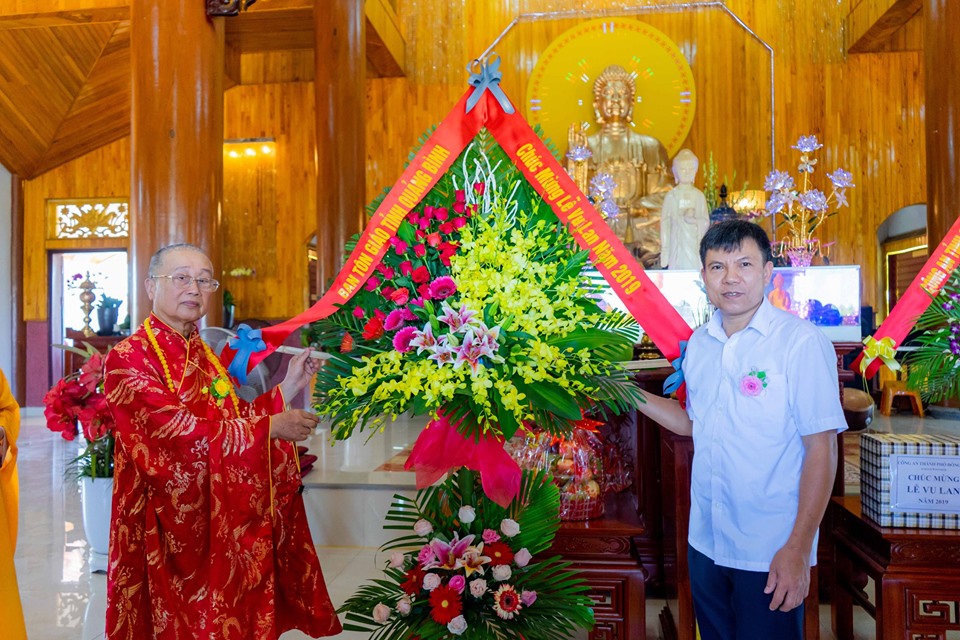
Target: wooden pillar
<point>176,135</point>
<point>941,58</point>
<point>341,108</point>
<point>19,374</point>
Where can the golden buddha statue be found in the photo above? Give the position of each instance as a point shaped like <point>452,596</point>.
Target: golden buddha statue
<point>636,162</point>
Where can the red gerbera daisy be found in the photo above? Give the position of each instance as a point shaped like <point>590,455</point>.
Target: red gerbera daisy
<point>445,604</point>
<point>414,581</point>
<point>506,602</point>
<point>499,553</point>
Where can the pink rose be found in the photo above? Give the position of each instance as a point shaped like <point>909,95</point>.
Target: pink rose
<point>457,582</point>
<point>522,557</point>
<point>478,588</point>
<point>397,559</point>
<point>459,223</point>
<point>431,581</point>
<point>404,606</point>
<point>423,528</point>
<point>490,536</point>
<point>446,228</point>
<point>358,313</point>
<point>372,283</point>
<point>479,187</point>
<point>420,250</point>
<point>441,214</point>
<point>381,613</point>
<point>401,295</point>
<point>406,267</point>
<point>460,195</point>
<point>509,527</point>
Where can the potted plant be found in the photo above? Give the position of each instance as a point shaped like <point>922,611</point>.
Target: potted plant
<point>76,404</point>
<point>108,310</point>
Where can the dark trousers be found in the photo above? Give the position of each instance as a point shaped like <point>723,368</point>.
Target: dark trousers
<point>730,604</point>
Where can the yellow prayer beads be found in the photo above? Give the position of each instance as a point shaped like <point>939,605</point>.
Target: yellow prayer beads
<point>222,376</point>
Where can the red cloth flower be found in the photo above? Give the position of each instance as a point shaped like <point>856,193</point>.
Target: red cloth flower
<point>414,581</point>
<point>445,604</point>
<point>373,330</point>
<point>499,553</point>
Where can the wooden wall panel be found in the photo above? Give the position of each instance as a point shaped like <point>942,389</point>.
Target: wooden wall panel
<point>284,112</point>
<point>101,173</point>
<point>866,108</point>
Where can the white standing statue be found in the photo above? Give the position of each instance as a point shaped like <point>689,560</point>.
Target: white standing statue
<point>684,217</point>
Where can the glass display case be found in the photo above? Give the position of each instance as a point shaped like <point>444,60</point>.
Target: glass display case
<point>829,297</point>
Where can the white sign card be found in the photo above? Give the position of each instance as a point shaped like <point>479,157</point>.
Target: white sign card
<point>924,484</point>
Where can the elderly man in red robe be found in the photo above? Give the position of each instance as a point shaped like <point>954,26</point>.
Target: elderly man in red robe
<point>209,538</point>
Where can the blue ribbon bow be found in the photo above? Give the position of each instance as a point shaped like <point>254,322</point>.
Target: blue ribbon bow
<point>675,379</point>
<point>247,342</point>
<point>485,76</point>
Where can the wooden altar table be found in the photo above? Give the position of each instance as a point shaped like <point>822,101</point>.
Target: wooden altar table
<point>916,574</point>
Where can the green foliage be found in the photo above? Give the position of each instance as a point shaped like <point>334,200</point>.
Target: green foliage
<point>561,605</point>
<point>933,367</point>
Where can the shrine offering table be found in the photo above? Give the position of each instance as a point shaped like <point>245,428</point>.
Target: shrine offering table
<point>604,552</point>
<point>916,574</point>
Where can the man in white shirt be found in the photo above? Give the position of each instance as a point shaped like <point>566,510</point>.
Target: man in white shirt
<point>763,408</point>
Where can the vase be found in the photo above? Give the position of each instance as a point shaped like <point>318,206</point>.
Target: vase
<point>96,500</point>
<point>800,258</point>
<point>107,319</point>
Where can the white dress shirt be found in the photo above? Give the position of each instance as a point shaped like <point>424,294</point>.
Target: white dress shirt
<point>748,451</point>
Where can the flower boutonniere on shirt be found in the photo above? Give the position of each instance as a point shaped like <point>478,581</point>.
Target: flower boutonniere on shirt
<point>753,384</point>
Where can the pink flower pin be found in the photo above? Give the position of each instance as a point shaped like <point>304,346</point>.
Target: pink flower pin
<point>753,384</point>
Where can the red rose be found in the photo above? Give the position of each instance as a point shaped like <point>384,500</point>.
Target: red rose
<point>434,240</point>
<point>479,187</point>
<point>420,250</point>
<point>400,296</point>
<point>421,274</point>
<point>406,267</point>
<point>441,214</point>
<point>459,207</point>
<point>372,283</point>
<point>459,223</point>
<point>446,228</point>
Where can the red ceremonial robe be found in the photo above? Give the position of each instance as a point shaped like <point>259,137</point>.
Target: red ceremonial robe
<point>195,551</point>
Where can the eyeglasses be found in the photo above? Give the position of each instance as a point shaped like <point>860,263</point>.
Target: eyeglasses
<point>180,281</point>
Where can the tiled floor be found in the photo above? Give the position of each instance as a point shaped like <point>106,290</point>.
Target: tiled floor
<point>63,600</point>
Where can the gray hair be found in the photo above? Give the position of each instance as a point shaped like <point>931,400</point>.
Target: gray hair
<point>156,260</point>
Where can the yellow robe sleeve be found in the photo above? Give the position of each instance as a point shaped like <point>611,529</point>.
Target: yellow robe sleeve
<point>11,612</point>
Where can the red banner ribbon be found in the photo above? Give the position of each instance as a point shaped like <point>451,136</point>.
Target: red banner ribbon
<point>918,296</point>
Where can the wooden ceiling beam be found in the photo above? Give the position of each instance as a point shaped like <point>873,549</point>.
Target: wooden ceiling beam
<point>870,24</point>
<point>62,18</point>
<point>386,48</point>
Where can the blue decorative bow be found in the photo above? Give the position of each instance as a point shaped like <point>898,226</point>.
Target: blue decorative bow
<point>675,379</point>
<point>485,76</point>
<point>247,342</point>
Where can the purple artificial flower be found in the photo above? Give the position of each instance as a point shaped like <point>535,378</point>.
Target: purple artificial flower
<point>841,179</point>
<point>776,203</point>
<point>814,200</point>
<point>609,208</point>
<point>602,185</point>
<point>807,144</point>
<point>841,197</point>
<point>580,153</point>
<point>401,341</point>
<point>778,181</point>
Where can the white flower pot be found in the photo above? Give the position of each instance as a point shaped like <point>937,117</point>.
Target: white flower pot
<point>96,498</point>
